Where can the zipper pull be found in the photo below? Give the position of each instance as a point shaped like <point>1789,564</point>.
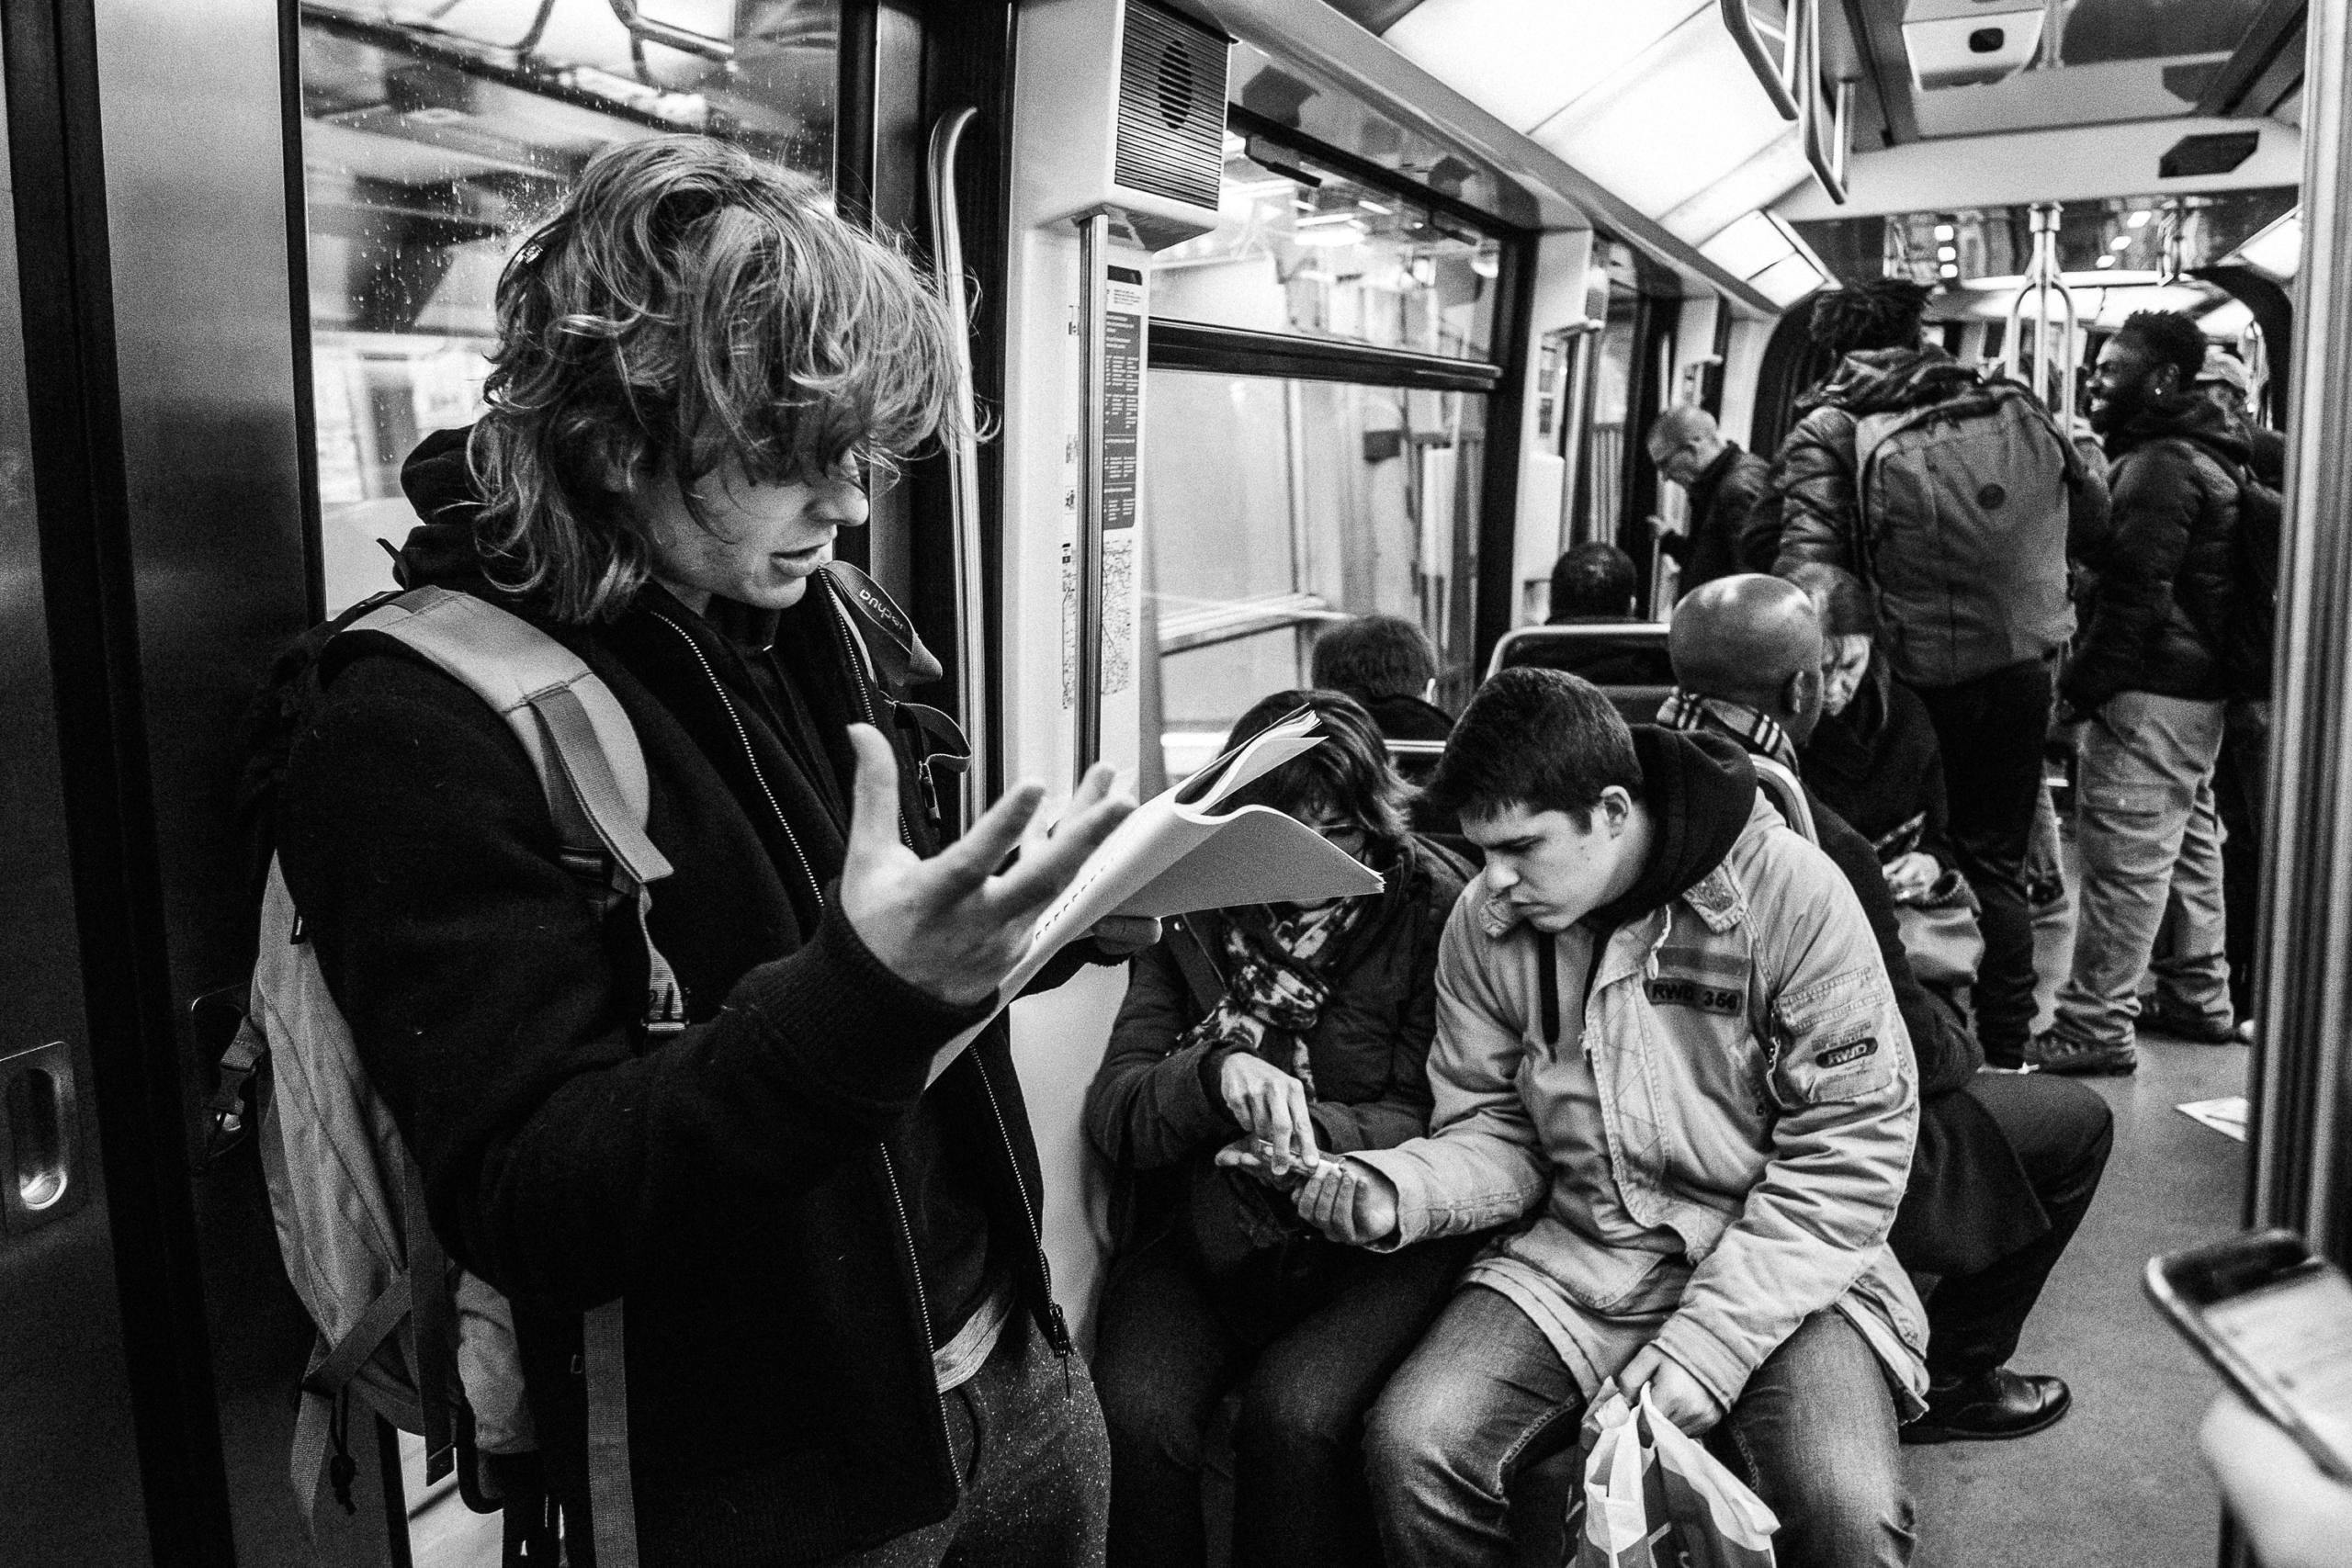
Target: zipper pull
<point>1057,1336</point>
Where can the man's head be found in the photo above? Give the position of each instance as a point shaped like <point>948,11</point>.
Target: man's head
<point>1373,658</point>
<point>1684,443</point>
<point>1883,313</point>
<point>697,363</point>
<point>1542,772</point>
<point>1849,630</point>
<point>1753,641</point>
<point>1593,581</point>
<point>2223,380</point>
<point>2150,359</point>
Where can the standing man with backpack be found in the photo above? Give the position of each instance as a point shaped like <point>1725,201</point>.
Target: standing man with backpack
<point>841,1342</point>
<point>2152,676</point>
<point>1955,500</point>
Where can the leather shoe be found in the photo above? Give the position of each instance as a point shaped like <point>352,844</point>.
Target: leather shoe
<point>1990,1406</point>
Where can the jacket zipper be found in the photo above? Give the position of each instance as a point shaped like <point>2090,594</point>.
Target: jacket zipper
<point>1056,1325</point>
<point>922,1305</point>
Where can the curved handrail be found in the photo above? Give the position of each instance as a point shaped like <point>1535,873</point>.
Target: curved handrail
<point>2042,281</point>
<point>1774,75</point>
<point>963,465</point>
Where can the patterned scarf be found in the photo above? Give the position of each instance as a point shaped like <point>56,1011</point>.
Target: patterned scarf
<point>1276,981</point>
<point>1688,710</point>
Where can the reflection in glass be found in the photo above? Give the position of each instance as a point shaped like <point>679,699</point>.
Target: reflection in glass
<point>1314,254</point>
<point>434,132</point>
<point>1276,505</point>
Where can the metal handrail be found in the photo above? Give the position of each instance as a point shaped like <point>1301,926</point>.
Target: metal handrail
<point>1094,242</point>
<point>1775,77</point>
<point>2044,282</point>
<point>964,466</point>
<point>645,30</point>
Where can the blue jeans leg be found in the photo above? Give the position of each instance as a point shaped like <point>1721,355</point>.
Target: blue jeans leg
<point>1816,1428</point>
<point>1484,1394</point>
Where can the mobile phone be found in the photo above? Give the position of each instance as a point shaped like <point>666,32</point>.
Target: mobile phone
<point>2277,1324</point>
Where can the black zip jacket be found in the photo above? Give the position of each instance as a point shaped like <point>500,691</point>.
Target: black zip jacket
<point>2160,595</point>
<point>741,1185</point>
<point>1724,502</point>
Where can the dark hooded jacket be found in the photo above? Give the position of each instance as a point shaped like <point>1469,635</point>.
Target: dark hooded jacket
<point>2158,605</point>
<point>754,1188</point>
<point>1879,766</point>
<point>1958,627</point>
<point>1724,502</point>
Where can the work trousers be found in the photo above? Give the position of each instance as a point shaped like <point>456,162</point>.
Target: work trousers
<point>1990,731</point>
<point>2147,832</point>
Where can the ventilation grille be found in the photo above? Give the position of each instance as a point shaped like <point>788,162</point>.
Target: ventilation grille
<point>1172,109</point>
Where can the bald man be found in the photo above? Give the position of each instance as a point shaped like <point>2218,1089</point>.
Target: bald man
<point>2005,1165</point>
<point>1728,490</point>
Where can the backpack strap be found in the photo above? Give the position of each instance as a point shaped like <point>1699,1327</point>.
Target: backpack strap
<point>612,1497</point>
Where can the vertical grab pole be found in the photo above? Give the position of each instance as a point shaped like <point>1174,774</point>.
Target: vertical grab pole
<point>2043,284</point>
<point>963,479</point>
<point>1093,246</point>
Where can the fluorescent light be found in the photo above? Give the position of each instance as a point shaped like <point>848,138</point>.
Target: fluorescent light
<point>1748,246</point>
<point>1487,264</point>
<point>1947,252</point>
<point>1324,220</point>
<point>1374,207</point>
<point>1788,280</point>
<point>1947,270</point>
<point>2138,220</point>
<point>1945,232</point>
<point>2120,243</point>
<point>1348,233</point>
<point>2106,260</point>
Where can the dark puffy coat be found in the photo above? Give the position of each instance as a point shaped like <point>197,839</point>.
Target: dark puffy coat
<point>1724,502</point>
<point>1151,1106</point>
<point>1815,482</point>
<point>1879,767</point>
<point>740,1184</point>
<point>2159,595</point>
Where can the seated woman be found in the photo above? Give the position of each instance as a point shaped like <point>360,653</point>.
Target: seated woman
<point>1874,759</point>
<point>1253,1042</point>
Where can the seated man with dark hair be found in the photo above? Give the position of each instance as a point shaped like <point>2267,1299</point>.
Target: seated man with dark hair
<point>1704,1215</point>
<point>2006,1164</point>
<point>1592,581</point>
<point>1385,663</point>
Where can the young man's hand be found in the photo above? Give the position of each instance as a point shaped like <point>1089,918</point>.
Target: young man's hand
<point>951,926</point>
<point>1679,1397</point>
<point>1349,1202</point>
<point>1270,1105</point>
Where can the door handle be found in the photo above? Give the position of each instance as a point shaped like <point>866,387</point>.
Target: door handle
<point>39,1176</point>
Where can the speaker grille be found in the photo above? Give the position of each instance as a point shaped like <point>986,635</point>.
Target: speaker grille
<point>1172,109</point>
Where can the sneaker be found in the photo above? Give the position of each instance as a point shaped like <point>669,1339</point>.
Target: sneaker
<point>2197,1028</point>
<point>2055,1053</point>
<point>1989,1407</point>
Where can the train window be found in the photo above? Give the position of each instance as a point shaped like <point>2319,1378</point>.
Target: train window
<point>1305,251</point>
<point>433,131</point>
<point>1279,504</point>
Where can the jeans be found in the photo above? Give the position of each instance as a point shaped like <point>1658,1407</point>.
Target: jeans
<point>1028,1436</point>
<point>1485,1394</point>
<point>1991,730</point>
<point>1166,1359</point>
<point>2146,826</point>
<point>2061,1132</point>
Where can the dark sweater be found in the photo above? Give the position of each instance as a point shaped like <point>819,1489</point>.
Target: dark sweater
<point>1878,766</point>
<point>754,1188</point>
<point>1724,502</point>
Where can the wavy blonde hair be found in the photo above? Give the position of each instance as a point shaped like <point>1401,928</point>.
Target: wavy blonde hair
<point>689,306</point>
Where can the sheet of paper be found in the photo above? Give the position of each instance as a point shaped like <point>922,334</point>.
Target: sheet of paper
<point>1172,856</point>
<point>2226,1116</point>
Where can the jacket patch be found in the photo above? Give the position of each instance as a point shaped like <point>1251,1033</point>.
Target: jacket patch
<point>1716,896</point>
<point>1689,991</point>
<point>1838,1056</point>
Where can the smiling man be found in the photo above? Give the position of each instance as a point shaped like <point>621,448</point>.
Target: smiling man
<point>1666,1040</point>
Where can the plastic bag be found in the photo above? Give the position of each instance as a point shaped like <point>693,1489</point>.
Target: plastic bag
<point>1714,1519</point>
<point>1654,1498</point>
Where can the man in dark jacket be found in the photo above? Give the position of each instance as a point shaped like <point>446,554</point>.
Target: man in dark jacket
<point>1385,663</point>
<point>1955,499</point>
<point>2150,679</point>
<point>841,1331</point>
<point>2006,1165</point>
<point>1726,486</point>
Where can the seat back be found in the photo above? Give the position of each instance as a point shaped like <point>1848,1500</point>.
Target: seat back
<point>1607,653</point>
<point>1787,795</point>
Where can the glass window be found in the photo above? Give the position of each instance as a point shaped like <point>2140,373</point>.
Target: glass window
<point>1302,250</point>
<point>1277,505</point>
<point>434,132</point>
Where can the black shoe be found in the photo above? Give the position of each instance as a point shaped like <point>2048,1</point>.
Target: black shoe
<point>1989,1407</point>
<point>2195,1029</point>
<point>2055,1053</point>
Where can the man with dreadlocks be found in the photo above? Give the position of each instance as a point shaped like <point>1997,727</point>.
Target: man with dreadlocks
<point>1952,494</point>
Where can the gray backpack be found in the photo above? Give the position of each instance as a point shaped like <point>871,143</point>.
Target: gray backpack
<point>424,1345</point>
<point>1963,534</point>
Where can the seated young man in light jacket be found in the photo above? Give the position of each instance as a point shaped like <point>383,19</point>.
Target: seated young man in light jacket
<point>1666,1041</point>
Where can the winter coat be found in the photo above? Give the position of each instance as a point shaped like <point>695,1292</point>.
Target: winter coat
<point>1816,480</point>
<point>1724,501</point>
<point>744,1186</point>
<point>1879,766</point>
<point>1716,1123</point>
<point>1407,717</point>
<point>2159,596</point>
<point>1153,1105</point>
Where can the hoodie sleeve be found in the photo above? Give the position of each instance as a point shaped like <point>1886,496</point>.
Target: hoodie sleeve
<point>493,1007</point>
<point>1482,1163</point>
<point>1846,1092</point>
<point>1813,484</point>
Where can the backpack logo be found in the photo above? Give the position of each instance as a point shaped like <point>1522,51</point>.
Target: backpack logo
<point>1991,497</point>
